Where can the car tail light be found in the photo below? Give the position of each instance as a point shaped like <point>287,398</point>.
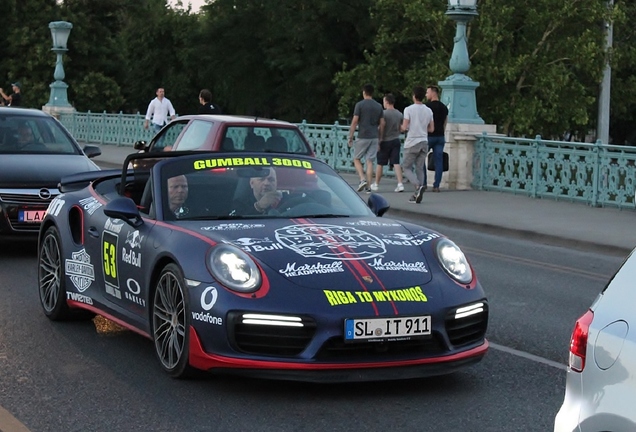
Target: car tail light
<point>578,344</point>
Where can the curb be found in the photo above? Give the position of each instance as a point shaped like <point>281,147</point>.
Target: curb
<point>521,234</point>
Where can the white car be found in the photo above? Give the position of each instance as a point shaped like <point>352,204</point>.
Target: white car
<point>601,385</point>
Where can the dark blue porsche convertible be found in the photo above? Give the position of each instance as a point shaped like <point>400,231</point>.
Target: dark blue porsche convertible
<point>261,264</point>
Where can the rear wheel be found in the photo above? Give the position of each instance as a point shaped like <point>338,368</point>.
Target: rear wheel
<point>170,323</point>
<point>51,286</point>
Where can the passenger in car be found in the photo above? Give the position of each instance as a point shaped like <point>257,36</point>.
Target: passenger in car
<point>177,195</point>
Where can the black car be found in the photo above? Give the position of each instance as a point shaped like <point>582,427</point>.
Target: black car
<point>260,264</point>
<point>36,151</point>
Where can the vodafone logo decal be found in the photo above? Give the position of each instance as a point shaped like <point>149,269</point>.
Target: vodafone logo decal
<point>208,298</point>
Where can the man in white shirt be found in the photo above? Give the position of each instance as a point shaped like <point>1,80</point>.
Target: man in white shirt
<point>418,121</point>
<point>159,110</point>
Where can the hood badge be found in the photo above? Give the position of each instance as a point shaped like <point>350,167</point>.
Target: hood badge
<point>44,194</point>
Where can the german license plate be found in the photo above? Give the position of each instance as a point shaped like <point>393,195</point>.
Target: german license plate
<point>34,216</point>
<point>387,328</point>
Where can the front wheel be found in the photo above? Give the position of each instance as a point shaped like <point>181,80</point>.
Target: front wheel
<point>170,322</point>
<point>51,286</point>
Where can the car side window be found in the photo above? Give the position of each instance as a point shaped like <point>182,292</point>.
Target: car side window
<point>167,137</point>
<point>195,135</point>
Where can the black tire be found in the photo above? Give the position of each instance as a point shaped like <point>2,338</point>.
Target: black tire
<point>171,323</point>
<point>51,277</point>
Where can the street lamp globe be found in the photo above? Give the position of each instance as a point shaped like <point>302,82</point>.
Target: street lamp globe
<point>60,31</point>
<point>462,4</point>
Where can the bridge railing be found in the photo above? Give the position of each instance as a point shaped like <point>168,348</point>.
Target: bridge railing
<point>593,173</point>
<point>102,128</point>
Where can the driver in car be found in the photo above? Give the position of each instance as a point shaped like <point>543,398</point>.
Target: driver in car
<point>264,197</point>
<point>26,140</point>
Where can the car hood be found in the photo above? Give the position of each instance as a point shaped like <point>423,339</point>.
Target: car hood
<point>40,170</point>
<point>356,250</point>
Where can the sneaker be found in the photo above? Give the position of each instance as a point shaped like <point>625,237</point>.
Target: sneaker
<point>412,199</point>
<point>362,185</point>
<point>367,190</point>
<point>419,194</point>
<point>374,187</point>
<point>399,188</point>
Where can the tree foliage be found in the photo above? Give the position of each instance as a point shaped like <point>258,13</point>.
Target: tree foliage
<point>539,64</point>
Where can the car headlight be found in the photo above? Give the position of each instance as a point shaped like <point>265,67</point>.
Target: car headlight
<point>454,261</point>
<point>234,268</point>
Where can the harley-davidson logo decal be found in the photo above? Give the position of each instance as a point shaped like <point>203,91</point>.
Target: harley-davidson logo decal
<point>80,270</point>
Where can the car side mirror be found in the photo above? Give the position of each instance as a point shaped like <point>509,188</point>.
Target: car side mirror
<point>140,145</point>
<point>124,209</point>
<point>378,204</point>
<point>92,151</point>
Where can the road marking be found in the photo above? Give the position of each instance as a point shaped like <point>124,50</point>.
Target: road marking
<point>540,264</point>
<point>8,423</point>
<point>528,356</point>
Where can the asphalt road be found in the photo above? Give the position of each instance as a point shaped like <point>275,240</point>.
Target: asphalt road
<point>69,377</point>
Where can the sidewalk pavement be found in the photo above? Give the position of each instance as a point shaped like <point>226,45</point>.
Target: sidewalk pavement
<point>573,225</point>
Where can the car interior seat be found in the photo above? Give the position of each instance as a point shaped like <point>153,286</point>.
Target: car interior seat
<point>254,142</point>
<point>228,144</point>
<point>276,144</point>
<point>145,204</point>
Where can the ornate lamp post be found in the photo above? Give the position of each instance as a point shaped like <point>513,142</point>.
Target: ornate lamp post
<point>458,90</point>
<point>60,30</point>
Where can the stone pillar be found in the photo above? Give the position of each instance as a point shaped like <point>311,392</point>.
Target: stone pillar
<point>460,146</point>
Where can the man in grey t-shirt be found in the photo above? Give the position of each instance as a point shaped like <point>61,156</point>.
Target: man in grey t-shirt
<point>389,152</point>
<point>368,116</point>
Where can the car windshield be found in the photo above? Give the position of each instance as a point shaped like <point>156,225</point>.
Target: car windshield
<point>20,134</point>
<point>210,187</point>
<point>264,138</point>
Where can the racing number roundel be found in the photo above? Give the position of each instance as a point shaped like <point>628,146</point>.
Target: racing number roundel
<point>109,253</point>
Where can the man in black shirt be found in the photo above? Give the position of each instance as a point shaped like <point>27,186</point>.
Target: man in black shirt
<point>436,139</point>
<point>263,196</point>
<point>15,98</point>
<point>207,107</point>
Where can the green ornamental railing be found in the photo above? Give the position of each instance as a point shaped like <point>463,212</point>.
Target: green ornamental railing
<point>593,173</point>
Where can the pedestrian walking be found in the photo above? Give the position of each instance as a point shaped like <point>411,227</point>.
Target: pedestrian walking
<point>389,151</point>
<point>368,116</point>
<point>417,123</point>
<point>15,98</point>
<point>160,111</point>
<point>207,107</point>
<point>436,138</point>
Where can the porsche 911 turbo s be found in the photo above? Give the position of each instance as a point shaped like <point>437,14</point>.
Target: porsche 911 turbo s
<point>259,264</point>
<point>35,153</point>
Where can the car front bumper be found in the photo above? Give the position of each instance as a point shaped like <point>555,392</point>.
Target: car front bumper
<point>14,203</point>
<point>333,372</point>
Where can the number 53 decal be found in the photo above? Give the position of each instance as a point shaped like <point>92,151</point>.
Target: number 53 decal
<point>109,258</point>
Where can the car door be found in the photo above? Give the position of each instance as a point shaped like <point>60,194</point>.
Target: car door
<point>117,250</point>
<point>167,137</point>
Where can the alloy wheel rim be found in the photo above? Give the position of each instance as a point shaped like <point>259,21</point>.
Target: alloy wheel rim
<point>169,320</point>
<point>50,273</point>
